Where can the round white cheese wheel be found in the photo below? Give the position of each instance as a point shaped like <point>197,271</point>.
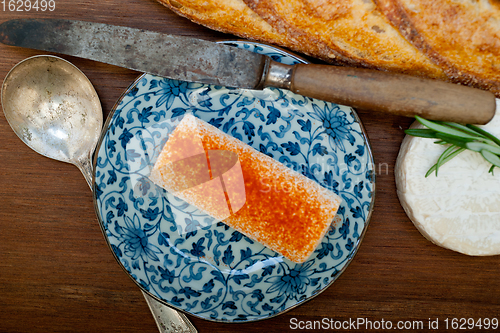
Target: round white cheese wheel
<point>460,208</point>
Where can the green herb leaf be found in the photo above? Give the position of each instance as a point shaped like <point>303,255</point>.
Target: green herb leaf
<point>463,128</point>
<point>443,156</point>
<point>440,128</point>
<point>490,157</point>
<point>459,137</point>
<point>457,141</point>
<point>491,169</point>
<point>485,134</point>
<point>435,167</point>
<point>479,146</point>
<point>421,132</point>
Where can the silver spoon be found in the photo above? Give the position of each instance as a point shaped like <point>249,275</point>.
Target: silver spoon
<point>54,109</point>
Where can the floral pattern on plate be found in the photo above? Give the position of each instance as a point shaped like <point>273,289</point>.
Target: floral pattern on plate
<point>202,266</point>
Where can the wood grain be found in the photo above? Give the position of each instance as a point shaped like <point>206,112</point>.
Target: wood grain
<point>58,275</point>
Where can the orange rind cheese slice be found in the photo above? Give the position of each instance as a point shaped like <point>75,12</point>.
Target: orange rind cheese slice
<point>247,190</point>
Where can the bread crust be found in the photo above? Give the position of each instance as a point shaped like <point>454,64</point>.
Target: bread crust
<point>354,29</point>
<point>236,18</point>
<point>461,36</point>
<point>229,16</point>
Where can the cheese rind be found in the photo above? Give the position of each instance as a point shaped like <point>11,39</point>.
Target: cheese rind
<point>282,209</point>
<point>460,208</point>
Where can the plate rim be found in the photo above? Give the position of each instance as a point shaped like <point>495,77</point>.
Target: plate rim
<point>348,259</point>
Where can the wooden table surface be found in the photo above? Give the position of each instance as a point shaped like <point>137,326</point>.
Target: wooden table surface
<point>58,275</point>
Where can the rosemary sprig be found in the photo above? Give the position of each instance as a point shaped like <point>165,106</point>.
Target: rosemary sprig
<point>459,137</point>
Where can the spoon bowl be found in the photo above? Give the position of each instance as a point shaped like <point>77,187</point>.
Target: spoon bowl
<point>54,109</point>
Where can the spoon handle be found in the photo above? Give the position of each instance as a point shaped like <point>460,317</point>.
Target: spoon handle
<point>167,319</point>
<point>85,166</point>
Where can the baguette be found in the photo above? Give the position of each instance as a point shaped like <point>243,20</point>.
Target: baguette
<point>233,17</point>
<point>355,29</point>
<point>461,36</point>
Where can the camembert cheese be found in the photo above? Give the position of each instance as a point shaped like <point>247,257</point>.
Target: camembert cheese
<point>460,208</point>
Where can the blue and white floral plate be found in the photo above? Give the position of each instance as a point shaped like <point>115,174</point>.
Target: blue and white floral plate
<point>210,270</point>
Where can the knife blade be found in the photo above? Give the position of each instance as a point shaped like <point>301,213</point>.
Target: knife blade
<point>189,59</point>
<point>181,58</point>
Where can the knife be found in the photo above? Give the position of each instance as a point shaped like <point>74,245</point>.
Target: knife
<point>190,59</point>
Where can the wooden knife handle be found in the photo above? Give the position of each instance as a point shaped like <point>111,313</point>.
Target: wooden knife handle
<point>387,92</point>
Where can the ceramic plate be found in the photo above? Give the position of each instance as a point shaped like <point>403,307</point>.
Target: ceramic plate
<point>208,269</point>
